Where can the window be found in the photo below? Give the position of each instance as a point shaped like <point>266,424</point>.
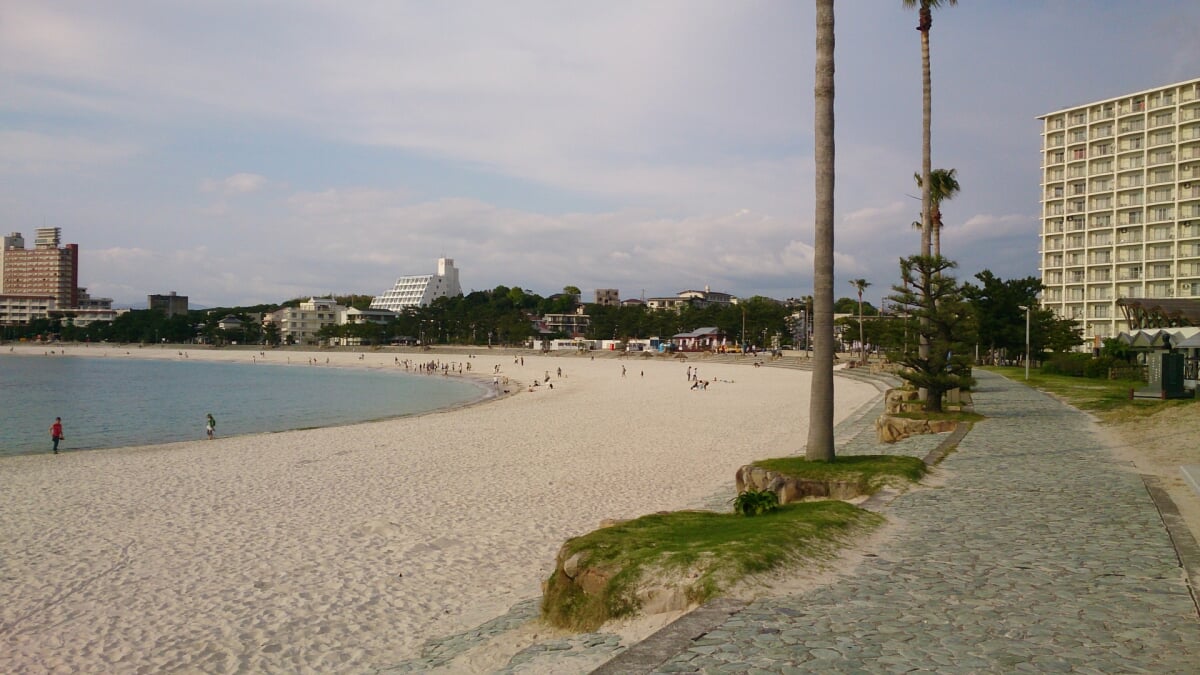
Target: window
<point>1161,137</point>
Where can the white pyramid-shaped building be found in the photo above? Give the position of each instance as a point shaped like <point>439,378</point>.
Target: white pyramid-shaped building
<point>419,291</point>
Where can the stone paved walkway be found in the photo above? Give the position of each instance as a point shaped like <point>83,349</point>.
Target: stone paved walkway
<point>1038,554</point>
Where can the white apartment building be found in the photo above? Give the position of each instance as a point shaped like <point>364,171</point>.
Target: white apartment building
<point>1121,204</point>
<point>419,291</point>
<point>299,325</point>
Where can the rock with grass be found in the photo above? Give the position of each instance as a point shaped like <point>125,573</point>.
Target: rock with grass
<point>672,561</point>
<point>796,488</point>
<point>892,428</point>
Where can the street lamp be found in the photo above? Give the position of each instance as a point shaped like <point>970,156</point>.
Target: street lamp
<point>1027,309</point>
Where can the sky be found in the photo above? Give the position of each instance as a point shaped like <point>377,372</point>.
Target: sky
<point>251,151</point>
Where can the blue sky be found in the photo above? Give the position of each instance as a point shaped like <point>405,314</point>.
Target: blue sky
<point>252,151</point>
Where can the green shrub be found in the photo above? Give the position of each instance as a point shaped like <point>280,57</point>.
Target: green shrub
<point>755,502</point>
<point>1080,365</point>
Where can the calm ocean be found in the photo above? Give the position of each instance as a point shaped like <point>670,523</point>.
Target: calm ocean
<point>111,402</point>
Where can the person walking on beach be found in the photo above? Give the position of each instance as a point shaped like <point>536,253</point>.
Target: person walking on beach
<point>210,426</point>
<point>56,433</point>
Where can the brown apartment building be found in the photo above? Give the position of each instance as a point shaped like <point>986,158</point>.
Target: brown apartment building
<point>46,270</point>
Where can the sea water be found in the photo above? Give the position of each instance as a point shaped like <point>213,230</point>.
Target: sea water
<point>115,402</point>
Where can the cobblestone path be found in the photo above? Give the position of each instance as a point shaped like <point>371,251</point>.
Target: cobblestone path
<point>1038,554</point>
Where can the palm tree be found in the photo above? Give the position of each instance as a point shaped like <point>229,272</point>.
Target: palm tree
<point>820,410</point>
<point>925,22</point>
<point>861,285</point>
<point>943,186</point>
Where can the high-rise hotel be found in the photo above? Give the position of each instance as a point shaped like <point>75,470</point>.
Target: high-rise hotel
<point>1121,205</point>
<point>48,270</point>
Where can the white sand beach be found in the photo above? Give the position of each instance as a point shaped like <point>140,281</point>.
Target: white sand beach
<point>344,549</point>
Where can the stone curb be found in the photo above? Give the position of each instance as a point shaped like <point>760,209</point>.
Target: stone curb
<point>652,652</point>
<point>939,453</point>
<point>1181,537</point>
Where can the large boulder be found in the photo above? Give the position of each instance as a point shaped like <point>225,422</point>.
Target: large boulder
<point>900,400</point>
<point>890,429</point>
<point>793,489</point>
<point>578,583</point>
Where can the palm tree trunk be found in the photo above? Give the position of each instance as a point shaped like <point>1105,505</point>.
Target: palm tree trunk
<point>862,345</point>
<point>926,20</point>
<point>926,133</point>
<point>820,411</point>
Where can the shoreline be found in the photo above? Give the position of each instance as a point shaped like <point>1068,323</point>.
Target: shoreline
<point>347,548</point>
<point>485,392</point>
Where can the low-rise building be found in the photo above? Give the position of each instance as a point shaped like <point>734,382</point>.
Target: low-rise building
<point>21,309</point>
<point>170,304</point>
<point>573,325</point>
<point>608,297</point>
<point>377,316</point>
<point>299,325</point>
<point>701,339</point>
<point>693,298</point>
<point>706,297</point>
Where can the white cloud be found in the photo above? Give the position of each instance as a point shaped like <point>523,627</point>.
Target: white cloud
<point>658,145</point>
<point>987,226</point>
<point>237,184</point>
<point>30,152</point>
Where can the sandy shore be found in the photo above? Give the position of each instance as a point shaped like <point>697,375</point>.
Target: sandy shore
<point>344,549</point>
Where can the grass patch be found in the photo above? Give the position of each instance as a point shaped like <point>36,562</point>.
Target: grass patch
<point>1109,399</point>
<point>869,472</point>
<point>702,551</point>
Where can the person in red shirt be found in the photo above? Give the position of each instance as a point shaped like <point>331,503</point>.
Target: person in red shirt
<point>56,433</point>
